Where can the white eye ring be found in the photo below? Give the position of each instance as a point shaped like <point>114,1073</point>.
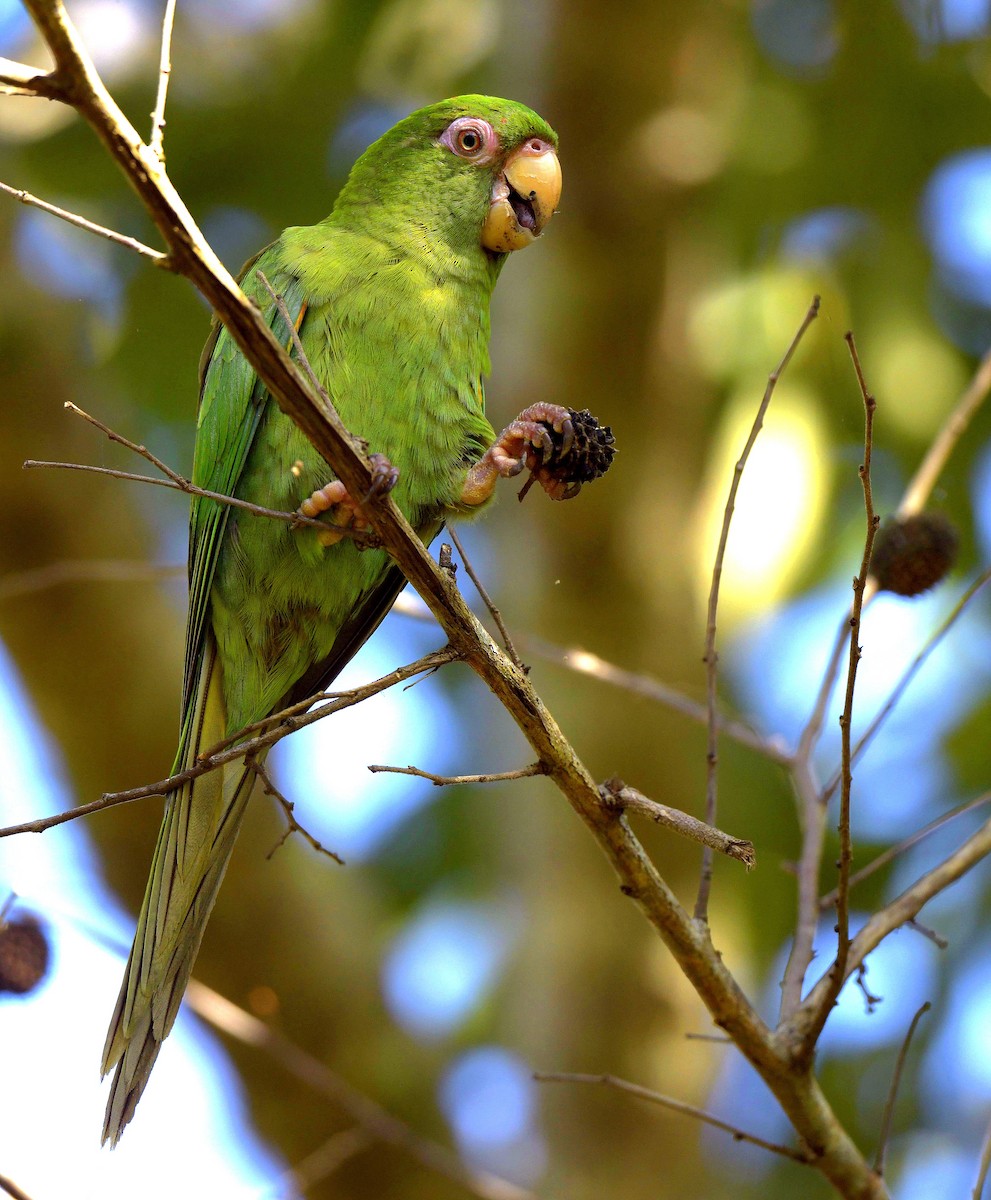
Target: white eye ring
<point>471,138</point>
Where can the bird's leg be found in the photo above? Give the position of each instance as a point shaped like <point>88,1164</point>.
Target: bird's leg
<point>347,517</point>
<point>524,442</point>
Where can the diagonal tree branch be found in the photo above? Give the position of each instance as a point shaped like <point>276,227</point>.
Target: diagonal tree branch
<point>899,912</point>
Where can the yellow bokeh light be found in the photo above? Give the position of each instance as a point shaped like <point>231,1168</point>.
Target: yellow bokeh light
<point>916,376</point>
<point>743,325</point>
<point>779,504</point>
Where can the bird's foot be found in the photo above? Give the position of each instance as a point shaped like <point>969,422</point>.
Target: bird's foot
<point>528,442</point>
<point>347,518</point>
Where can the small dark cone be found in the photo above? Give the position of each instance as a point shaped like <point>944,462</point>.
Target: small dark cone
<point>23,955</point>
<point>591,453</point>
<point>912,554</point>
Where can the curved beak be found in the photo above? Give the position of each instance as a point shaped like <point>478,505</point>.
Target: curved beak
<point>524,197</point>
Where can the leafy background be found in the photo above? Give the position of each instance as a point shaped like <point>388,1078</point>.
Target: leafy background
<point>723,161</point>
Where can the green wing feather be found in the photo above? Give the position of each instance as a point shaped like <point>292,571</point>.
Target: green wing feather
<point>202,818</point>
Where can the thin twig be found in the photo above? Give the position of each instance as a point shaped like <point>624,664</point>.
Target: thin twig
<point>122,239</point>
<point>189,489</point>
<point>893,852</point>
<point>173,478</point>
<point>323,1162</point>
<point>846,718</point>
<point>213,758</point>
<point>21,79</point>
<point>295,519</point>
<point>164,71</point>
<point>900,911</point>
<point>899,689</point>
<point>813,823</point>
<point>292,825</point>
<point>711,658</point>
<point>937,939</point>
<point>12,1189</point>
<point>983,1166</point>
<point>817,718</point>
<point>380,1123</point>
<point>301,354</point>
<point>85,570</point>
<point>896,1078</point>
<point>689,1110</point>
<point>924,480</point>
<point>494,612</point>
<point>584,662</point>
<point>617,795</point>
<point>450,780</point>
<point>913,500</point>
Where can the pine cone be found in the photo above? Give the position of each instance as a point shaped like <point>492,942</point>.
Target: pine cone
<point>912,554</point>
<point>592,450</point>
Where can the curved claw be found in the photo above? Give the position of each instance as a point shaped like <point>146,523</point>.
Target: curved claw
<point>541,440</point>
<point>565,427</point>
<point>384,476</point>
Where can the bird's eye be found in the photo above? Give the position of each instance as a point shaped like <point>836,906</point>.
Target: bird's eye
<point>471,138</point>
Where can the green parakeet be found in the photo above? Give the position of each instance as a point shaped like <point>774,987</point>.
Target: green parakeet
<point>390,296</point>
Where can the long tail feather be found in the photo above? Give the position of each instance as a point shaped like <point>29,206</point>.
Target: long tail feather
<point>197,837</point>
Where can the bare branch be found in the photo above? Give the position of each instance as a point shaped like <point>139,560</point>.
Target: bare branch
<point>11,1188</point>
<point>899,689</point>
<point>838,973</point>
<point>689,1110</point>
<point>164,71</point>
<point>278,726</point>
<point>119,438</point>
<point>924,480</point>
<point>711,658</point>
<point>450,780</point>
<point>85,570</point>
<point>291,325</point>
<point>173,478</point>
<point>983,1166</point>
<point>21,79</point>
<point>813,727</point>
<point>813,822</point>
<point>494,612</point>
<point>893,852</point>
<point>325,1161</point>
<point>372,1117</point>
<point>889,1107</point>
<point>122,239</point>
<point>617,795</point>
<point>292,825</point>
<point>181,485</point>
<point>584,662</point>
<point>899,912</point>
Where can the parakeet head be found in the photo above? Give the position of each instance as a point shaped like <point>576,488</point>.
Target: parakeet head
<point>475,172</point>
